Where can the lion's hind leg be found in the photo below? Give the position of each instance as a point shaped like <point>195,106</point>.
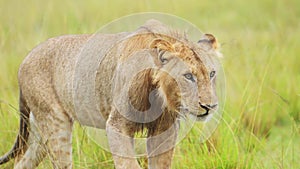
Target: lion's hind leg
<point>36,150</point>
<point>30,151</point>
<point>56,134</point>
<point>54,127</point>
<point>52,137</point>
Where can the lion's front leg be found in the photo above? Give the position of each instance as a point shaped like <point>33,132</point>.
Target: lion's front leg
<point>160,148</point>
<point>121,142</point>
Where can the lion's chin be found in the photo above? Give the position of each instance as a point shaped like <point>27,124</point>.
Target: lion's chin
<point>201,118</point>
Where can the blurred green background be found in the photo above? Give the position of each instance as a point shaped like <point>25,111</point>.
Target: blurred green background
<point>260,42</point>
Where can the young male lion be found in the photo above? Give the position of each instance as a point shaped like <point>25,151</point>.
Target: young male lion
<point>125,83</point>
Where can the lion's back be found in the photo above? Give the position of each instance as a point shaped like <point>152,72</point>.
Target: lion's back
<point>53,66</point>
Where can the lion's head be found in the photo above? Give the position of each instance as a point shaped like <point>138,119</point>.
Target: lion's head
<point>162,68</point>
<point>186,75</point>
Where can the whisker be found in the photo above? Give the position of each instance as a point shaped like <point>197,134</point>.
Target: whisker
<point>181,115</point>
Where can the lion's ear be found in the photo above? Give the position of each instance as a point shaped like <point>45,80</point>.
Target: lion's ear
<point>162,46</point>
<point>209,41</point>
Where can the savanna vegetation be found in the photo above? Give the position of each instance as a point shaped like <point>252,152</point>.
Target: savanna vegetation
<point>260,43</point>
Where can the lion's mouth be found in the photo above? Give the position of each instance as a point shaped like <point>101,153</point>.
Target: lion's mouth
<point>198,117</point>
<point>202,115</point>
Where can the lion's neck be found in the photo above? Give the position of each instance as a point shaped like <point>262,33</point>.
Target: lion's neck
<point>143,92</point>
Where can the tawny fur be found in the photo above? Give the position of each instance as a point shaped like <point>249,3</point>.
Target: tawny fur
<point>48,89</point>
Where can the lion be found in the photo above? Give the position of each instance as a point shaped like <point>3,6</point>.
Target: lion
<point>144,80</point>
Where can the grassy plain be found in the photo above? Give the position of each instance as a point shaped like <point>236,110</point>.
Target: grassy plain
<point>261,46</point>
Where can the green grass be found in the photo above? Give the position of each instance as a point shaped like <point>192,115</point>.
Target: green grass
<point>260,43</point>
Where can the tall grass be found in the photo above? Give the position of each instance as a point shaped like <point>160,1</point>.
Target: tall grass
<point>260,42</point>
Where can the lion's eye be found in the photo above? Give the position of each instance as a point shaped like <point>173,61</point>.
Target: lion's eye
<point>189,76</point>
<point>212,74</point>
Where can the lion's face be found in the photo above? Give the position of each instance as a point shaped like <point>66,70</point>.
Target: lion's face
<point>187,79</point>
